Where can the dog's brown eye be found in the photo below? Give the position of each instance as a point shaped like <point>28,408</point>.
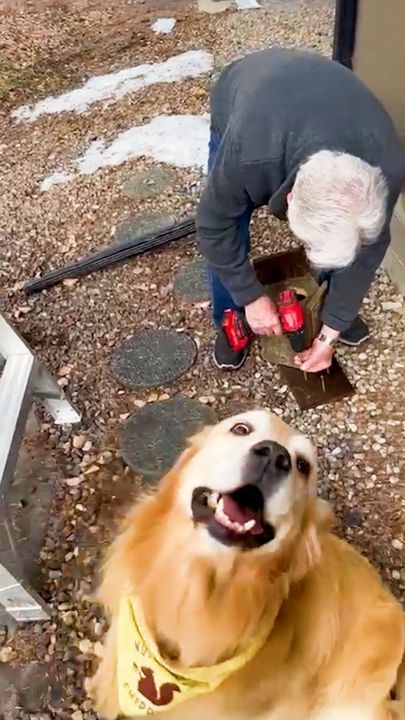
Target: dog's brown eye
<point>241,429</point>
<point>303,466</point>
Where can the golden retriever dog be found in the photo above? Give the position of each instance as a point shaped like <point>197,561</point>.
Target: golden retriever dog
<point>230,599</point>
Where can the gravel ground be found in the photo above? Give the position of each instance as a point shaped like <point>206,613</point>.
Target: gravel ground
<point>76,327</point>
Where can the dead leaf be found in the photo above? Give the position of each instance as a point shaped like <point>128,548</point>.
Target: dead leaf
<point>92,469</point>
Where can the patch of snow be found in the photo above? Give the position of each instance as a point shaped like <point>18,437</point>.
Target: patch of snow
<point>115,86</point>
<point>56,178</point>
<point>164,26</point>
<point>179,140</point>
<point>247,4</point>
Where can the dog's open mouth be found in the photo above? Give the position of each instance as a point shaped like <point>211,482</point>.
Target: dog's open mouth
<point>234,518</point>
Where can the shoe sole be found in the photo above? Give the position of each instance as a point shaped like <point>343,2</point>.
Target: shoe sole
<point>351,343</point>
<point>224,366</point>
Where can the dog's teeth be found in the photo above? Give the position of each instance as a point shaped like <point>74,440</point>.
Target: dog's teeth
<point>213,500</point>
<point>238,528</point>
<point>224,520</point>
<point>249,524</point>
<point>221,517</point>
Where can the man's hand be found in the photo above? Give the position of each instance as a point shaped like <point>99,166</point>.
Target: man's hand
<point>262,317</point>
<point>318,357</point>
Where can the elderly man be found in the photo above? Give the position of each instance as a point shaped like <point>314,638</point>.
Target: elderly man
<point>301,134</point>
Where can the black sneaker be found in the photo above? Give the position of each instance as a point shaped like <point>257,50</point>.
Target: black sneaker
<point>356,334</point>
<point>224,357</point>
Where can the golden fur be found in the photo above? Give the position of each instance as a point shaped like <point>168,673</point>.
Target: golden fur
<point>337,635</point>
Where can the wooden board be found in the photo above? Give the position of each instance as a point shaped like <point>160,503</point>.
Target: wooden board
<point>309,392</point>
<point>270,269</point>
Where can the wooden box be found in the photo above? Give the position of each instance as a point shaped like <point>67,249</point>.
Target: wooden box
<point>278,272</point>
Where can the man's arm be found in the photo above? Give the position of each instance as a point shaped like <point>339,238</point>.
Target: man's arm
<point>224,200</point>
<point>346,292</point>
<point>349,286</point>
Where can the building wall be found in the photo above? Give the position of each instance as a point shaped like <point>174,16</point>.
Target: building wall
<point>379,60</point>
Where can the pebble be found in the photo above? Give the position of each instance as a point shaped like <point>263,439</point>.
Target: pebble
<point>6,654</point>
<point>392,305</point>
<point>55,574</point>
<point>78,441</point>
<point>74,481</point>
<point>65,370</point>
<point>396,574</point>
<point>77,715</point>
<point>397,544</point>
<point>86,646</point>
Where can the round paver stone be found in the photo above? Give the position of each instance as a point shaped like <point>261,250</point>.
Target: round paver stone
<point>153,358</point>
<point>136,227</point>
<point>149,183</point>
<point>153,438</point>
<point>192,282</point>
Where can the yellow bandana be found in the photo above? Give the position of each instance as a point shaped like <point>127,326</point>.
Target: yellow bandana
<point>147,684</point>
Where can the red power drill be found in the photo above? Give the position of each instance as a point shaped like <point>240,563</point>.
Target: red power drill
<point>236,329</point>
<point>238,332</point>
<point>292,318</point>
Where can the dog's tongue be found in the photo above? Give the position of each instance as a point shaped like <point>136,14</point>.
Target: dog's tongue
<point>239,514</point>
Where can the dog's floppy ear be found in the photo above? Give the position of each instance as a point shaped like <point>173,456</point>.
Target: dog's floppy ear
<point>194,443</point>
<point>197,441</point>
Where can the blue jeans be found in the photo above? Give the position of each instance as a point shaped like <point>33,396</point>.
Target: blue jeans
<point>221,299</point>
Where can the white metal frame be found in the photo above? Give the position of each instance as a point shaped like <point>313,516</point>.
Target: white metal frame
<point>23,380</point>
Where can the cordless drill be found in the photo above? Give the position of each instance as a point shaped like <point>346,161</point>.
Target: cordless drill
<point>292,318</point>
<point>238,332</point>
<point>236,329</point>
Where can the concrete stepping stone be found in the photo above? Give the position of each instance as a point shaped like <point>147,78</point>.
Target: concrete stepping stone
<point>192,282</point>
<point>153,438</point>
<point>153,358</point>
<point>139,225</point>
<point>149,183</point>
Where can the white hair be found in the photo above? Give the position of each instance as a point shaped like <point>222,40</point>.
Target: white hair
<point>338,203</point>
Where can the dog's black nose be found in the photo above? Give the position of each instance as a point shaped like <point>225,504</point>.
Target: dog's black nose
<point>273,455</point>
